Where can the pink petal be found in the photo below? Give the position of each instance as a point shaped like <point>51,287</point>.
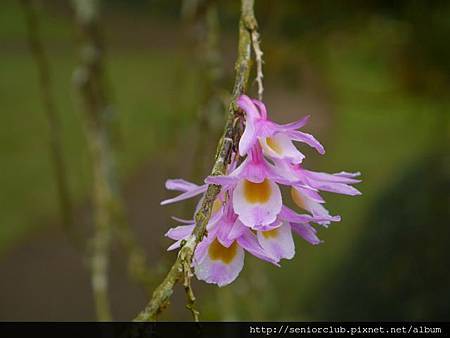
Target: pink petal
<point>294,125</point>
<point>222,180</point>
<point>338,188</point>
<point>280,146</point>
<point>307,232</point>
<point>174,245</point>
<point>248,106</point>
<point>255,172</point>
<point>186,195</point>
<point>347,174</point>
<point>320,213</point>
<point>283,170</point>
<point>201,250</point>
<point>274,173</point>
<point>249,242</point>
<point>180,185</point>
<point>308,139</point>
<point>266,227</point>
<point>237,230</point>
<point>248,138</point>
<point>262,108</point>
<point>336,178</point>
<point>224,229</point>
<point>182,220</point>
<point>180,232</point>
<point>310,193</point>
<point>291,216</point>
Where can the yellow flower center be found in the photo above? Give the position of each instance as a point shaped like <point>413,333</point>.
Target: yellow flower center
<point>216,206</point>
<point>297,198</point>
<point>274,145</point>
<point>270,234</point>
<point>257,192</point>
<point>218,252</point>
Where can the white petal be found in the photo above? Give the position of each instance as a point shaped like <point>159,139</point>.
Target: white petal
<point>315,208</point>
<point>277,243</point>
<point>280,146</point>
<point>220,265</point>
<point>257,203</point>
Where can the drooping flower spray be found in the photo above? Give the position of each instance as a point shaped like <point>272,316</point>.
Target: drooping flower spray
<point>249,215</point>
<point>240,207</point>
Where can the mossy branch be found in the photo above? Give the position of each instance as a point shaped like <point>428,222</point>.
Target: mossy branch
<point>181,269</point>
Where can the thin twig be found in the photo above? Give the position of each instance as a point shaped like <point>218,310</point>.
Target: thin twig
<point>190,294</point>
<point>55,140</point>
<point>181,269</point>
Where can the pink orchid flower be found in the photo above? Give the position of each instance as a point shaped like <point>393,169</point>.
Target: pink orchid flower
<point>275,139</point>
<point>256,195</point>
<point>219,257</point>
<point>278,242</point>
<point>249,214</point>
<point>305,189</point>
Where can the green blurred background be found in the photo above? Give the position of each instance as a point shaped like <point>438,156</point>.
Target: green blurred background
<point>374,76</point>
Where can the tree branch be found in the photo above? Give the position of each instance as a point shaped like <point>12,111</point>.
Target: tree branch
<point>202,22</point>
<point>88,79</point>
<point>109,214</point>
<point>181,269</point>
<point>45,83</point>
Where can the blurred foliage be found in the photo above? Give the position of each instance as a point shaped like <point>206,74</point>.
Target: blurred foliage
<point>420,53</point>
<point>143,80</point>
<point>398,267</point>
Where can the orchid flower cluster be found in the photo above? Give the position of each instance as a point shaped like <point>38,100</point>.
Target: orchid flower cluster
<point>249,215</point>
